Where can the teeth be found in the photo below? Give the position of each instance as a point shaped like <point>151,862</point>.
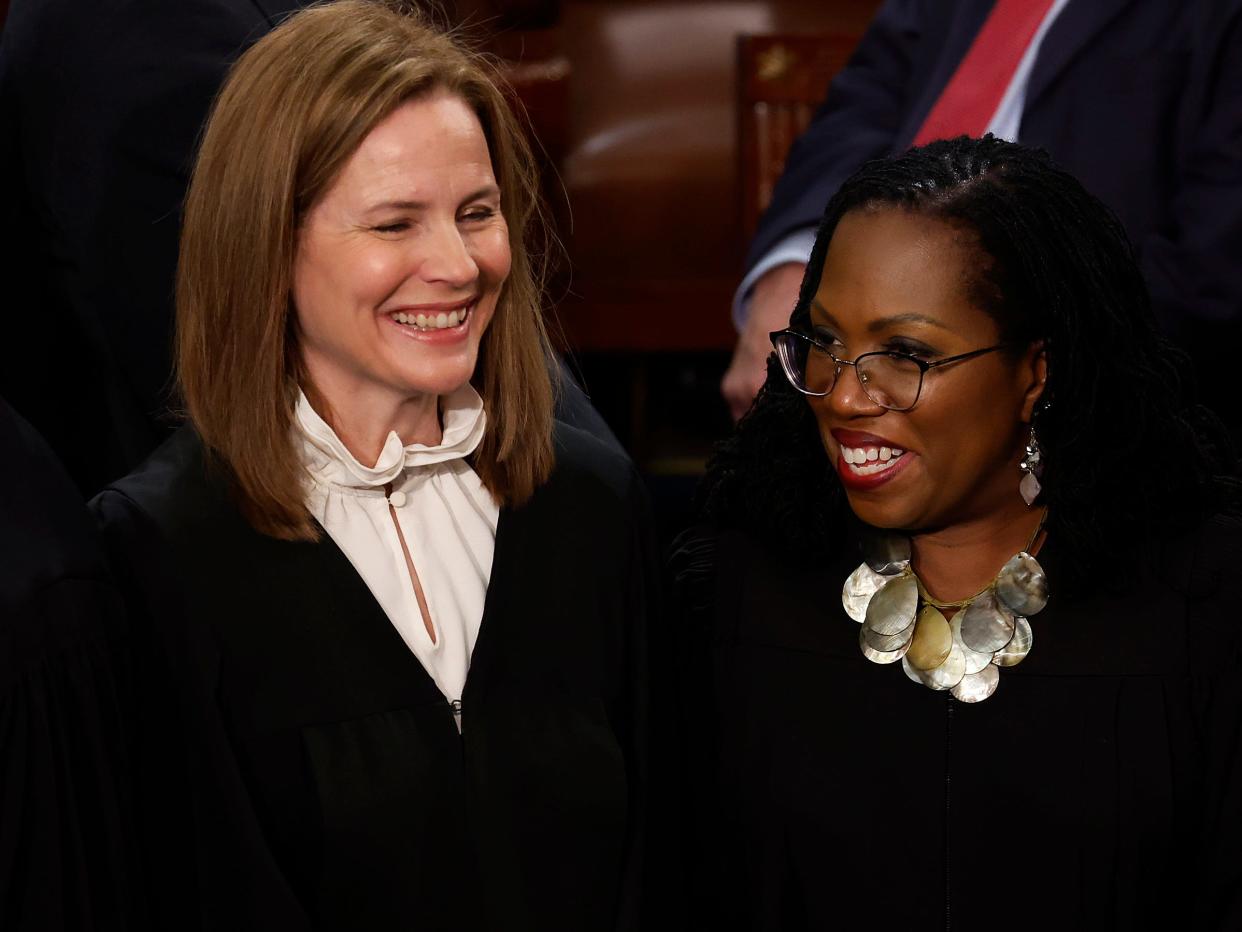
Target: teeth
<point>871,468</point>
<point>868,460</point>
<point>432,321</point>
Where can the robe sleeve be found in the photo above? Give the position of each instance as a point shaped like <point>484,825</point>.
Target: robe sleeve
<point>643,902</point>
<point>208,863</point>
<point>68,854</point>
<point>740,876</point>
<point>715,899</point>
<point>1216,619</point>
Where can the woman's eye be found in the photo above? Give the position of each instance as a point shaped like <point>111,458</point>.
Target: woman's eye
<point>826,337</point>
<point>910,348</point>
<point>479,214</point>
<point>396,226</point>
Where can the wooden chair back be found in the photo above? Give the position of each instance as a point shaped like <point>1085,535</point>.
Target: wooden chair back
<point>782,79</point>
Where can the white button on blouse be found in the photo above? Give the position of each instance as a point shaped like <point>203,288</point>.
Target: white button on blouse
<point>446,516</point>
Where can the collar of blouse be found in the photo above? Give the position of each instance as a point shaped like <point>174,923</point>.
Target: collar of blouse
<point>328,460</point>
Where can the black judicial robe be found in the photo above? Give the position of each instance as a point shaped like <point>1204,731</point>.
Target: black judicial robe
<point>301,769</point>
<point>67,845</point>
<point>1099,787</point>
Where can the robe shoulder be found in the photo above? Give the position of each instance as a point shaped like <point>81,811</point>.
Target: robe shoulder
<point>586,460</point>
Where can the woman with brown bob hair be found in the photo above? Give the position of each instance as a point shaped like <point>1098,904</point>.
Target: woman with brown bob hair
<point>389,609</point>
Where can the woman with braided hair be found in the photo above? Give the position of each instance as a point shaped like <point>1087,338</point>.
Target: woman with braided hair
<point>966,649</point>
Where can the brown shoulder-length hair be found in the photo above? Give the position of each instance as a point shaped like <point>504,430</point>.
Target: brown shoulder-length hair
<point>293,109</point>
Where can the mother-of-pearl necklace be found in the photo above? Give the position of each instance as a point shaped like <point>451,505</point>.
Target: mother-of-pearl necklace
<point>901,621</point>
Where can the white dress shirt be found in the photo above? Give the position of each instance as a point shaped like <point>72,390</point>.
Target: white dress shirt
<point>1005,124</point>
<point>447,518</point>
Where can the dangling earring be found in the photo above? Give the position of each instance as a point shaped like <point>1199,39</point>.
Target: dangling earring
<point>1032,468</point>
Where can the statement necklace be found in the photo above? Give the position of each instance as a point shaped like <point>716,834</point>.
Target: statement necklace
<point>900,621</point>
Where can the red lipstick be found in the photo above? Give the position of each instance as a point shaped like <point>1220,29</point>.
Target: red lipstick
<point>877,473</point>
<point>856,438</point>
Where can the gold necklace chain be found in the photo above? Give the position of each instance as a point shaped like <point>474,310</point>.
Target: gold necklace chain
<point>962,603</point>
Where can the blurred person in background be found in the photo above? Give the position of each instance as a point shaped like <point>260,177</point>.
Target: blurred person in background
<point>101,105</point>
<point>390,612</point>
<point>1141,100</point>
<point>964,648</point>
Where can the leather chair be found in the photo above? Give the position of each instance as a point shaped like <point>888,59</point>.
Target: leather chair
<point>651,169</point>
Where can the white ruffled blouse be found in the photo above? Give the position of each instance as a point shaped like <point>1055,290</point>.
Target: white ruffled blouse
<point>447,517</point>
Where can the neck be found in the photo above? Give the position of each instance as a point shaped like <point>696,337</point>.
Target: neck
<point>363,417</point>
<point>956,562</point>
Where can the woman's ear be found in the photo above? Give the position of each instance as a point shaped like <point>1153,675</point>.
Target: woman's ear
<point>1034,369</point>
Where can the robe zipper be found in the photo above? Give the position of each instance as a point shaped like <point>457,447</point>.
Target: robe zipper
<point>948,807</point>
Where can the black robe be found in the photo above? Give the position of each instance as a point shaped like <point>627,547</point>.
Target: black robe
<point>67,841</point>
<point>301,769</point>
<point>1099,787</point>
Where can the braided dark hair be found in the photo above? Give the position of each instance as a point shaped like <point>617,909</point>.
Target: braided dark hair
<point>1125,451</point>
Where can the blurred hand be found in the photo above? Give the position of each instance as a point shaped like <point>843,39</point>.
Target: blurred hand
<point>771,303</point>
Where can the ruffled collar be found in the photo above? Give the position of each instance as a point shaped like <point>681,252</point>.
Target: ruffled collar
<point>461,413</point>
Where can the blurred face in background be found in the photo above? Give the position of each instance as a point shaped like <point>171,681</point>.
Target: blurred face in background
<point>897,280</point>
<point>400,264</point>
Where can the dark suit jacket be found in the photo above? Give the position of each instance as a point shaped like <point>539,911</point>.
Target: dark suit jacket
<point>101,107</point>
<point>1141,100</point>
<point>301,769</point>
<point>100,110</point>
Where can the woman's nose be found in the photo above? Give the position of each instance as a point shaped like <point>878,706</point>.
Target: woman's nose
<point>448,259</point>
<point>847,397</point>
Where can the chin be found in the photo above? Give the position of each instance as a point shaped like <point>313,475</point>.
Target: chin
<point>438,377</point>
<point>435,386</point>
<point>885,515</point>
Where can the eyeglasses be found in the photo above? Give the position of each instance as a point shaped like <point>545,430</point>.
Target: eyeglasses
<point>891,379</point>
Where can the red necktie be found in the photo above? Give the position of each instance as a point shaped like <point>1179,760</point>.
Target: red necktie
<point>971,97</point>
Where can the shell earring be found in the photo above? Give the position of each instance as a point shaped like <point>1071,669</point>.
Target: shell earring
<point>1032,468</point>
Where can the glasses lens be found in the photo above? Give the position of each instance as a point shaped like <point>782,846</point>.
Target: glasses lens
<point>808,368</point>
<point>890,381</point>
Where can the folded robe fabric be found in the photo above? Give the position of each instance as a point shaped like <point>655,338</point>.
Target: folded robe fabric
<point>66,832</point>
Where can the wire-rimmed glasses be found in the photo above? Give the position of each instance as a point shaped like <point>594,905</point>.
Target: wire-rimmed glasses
<point>891,379</point>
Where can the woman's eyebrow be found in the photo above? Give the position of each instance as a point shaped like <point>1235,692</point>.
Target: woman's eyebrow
<point>397,205</point>
<point>823,312</point>
<point>487,190</point>
<point>912,317</point>
<point>883,323</point>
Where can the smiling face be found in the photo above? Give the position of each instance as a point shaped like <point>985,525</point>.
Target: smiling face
<point>896,280</point>
<point>400,264</point>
